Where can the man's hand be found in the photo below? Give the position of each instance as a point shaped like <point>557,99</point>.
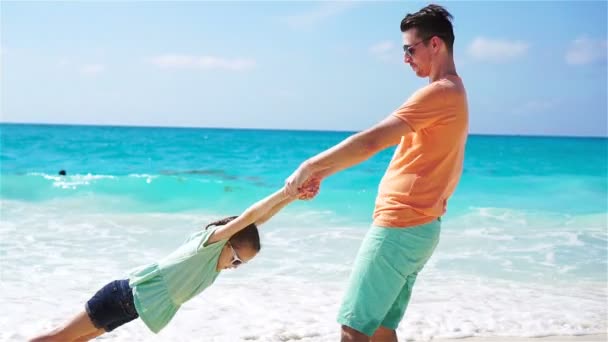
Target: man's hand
<point>309,189</point>
<point>294,182</point>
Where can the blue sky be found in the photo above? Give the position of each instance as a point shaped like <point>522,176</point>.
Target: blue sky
<point>529,67</point>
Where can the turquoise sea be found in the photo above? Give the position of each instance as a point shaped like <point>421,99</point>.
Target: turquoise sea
<point>523,250</point>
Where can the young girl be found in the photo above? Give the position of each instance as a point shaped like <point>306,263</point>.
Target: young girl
<point>156,291</point>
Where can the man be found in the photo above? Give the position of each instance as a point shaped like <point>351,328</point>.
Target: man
<point>430,129</point>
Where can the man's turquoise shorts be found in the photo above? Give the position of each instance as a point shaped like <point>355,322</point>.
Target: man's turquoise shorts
<point>383,275</point>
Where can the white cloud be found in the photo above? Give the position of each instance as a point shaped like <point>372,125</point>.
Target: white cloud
<point>91,69</point>
<point>202,62</point>
<point>317,15</point>
<point>497,50</point>
<point>385,51</point>
<point>585,50</point>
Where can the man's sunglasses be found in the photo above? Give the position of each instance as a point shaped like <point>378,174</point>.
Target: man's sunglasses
<point>410,50</point>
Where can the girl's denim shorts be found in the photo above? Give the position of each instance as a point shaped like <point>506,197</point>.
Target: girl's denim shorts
<point>112,306</point>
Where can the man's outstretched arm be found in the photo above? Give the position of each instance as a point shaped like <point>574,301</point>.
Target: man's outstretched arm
<point>351,151</point>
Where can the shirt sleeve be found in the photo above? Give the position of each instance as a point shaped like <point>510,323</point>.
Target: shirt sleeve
<point>201,241</point>
<point>424,108</point>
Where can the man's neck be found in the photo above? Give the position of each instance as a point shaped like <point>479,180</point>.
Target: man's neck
<point>443,68</point>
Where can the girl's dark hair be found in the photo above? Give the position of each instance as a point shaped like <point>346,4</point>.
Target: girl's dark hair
<point>432,20</point>
<point>246,237</point>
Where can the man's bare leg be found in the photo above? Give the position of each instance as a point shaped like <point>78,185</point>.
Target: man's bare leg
<point>383,334</point>
<point>351,335</point>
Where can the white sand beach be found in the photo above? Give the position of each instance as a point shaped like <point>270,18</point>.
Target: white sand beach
<point>583,338</point>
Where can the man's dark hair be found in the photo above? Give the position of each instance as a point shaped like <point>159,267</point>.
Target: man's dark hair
<point>247,237</point>
<point>432,20</point>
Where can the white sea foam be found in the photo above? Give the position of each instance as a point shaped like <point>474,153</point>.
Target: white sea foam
<point>55,256</point>
<point>71,181</point>
<point>149,178</point>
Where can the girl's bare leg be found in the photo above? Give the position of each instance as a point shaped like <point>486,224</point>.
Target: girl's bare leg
<point>79,327</point>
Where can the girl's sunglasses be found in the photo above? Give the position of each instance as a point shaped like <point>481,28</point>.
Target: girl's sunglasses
<point>236,261</point>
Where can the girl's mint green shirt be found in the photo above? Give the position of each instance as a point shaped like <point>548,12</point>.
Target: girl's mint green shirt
<point>159,289</point>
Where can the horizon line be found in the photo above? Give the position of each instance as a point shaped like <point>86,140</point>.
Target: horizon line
<point>287,129</point>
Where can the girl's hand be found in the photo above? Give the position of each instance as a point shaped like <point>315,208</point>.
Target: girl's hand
<point>297,179</point>
<point>309,189</point>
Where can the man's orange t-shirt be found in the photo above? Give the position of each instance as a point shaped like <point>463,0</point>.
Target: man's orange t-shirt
<point>427,163</point>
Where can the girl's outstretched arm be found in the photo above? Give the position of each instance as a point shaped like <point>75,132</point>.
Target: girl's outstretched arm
<point>308,191</point>
<point>256,213</point>
<point>270,213</point>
